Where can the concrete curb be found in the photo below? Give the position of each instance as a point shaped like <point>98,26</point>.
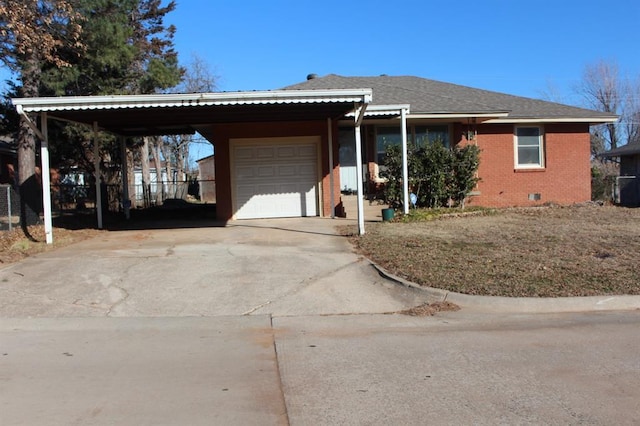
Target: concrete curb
<point>498,304</point>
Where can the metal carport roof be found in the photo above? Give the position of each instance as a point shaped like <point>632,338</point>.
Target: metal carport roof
<point>161,114</point>
<point>165,114</point>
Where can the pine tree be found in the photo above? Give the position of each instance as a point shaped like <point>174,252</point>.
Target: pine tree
<point>33,35</point>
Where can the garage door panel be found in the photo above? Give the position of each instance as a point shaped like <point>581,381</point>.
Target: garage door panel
<point>307,151</point>
<point>306,172</point>
<point>244,153</point>
<point>267,189</point>
<point>289,188</point>
<point>287,171</point>
<point>286,152</point>
<point>266,171</point>
<point>262,153</point>
<point>245,172</point>
<point>277,180</point>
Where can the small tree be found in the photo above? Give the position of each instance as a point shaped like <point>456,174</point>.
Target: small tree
<point>465,168</point>
<point>392,172</point>
<point>437,168</point>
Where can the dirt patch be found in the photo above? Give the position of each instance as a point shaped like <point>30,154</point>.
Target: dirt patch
<point>15,246</point>
<point>546,251</point>
<point>430,309</point>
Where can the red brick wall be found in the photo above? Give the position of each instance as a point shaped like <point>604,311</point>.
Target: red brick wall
<point>220,134</point>
<point>565,179</point>
<point>207,178</point>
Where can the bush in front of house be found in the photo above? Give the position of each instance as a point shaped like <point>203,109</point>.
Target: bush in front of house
<point>438,176</point>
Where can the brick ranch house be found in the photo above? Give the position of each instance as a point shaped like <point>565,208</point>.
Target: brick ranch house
<point>532,151</point>
<point>279,153</point>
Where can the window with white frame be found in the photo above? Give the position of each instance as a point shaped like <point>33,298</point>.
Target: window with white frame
<point>529,147</point>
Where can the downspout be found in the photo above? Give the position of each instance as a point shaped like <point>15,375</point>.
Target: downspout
<point>96,166</point>
<point>405,161</point>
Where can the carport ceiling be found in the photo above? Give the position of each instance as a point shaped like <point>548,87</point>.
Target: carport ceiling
<point>148,115</point>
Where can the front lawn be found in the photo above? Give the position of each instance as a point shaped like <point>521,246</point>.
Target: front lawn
<point>542,252</point>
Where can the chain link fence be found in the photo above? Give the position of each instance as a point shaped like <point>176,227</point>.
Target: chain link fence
<point>75,197</point>
<point>9,208</point>
<point>72,198</point>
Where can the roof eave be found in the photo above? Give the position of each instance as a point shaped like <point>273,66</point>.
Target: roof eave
<point>483,116</point>
<point>621,152</point>
<point>49,104</point>
<point>383,110</point>
<point>524,120</point>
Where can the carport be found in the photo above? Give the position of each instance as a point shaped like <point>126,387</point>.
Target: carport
<point>235,122</point>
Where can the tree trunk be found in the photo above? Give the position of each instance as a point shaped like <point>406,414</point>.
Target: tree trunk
<point>171,182</point>
<point>30,187</point>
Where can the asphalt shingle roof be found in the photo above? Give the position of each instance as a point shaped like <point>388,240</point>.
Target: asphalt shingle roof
<point>429,96</point>
<point>628,149</point>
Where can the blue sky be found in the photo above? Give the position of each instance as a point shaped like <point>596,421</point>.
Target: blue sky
<point>521,47</point>
<point>512,46</point>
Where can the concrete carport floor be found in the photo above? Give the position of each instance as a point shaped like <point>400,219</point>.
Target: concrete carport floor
<point>297,266</point>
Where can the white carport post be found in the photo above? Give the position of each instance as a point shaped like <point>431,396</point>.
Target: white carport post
<point>405,161</point>
<point>126,202</point>
<point>96,166</point>
<point>46,179</point>
<point>358,121</point>
<point>331,181</point>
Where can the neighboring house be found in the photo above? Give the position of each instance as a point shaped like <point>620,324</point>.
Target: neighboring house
<point>532,151</point>
<point>172,186</point>
<point>8,160</point>
<point>627,190</point>
<point>207,179</point>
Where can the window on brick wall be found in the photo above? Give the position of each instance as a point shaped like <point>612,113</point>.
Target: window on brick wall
<point>417,136</point>
<point>529,147</point>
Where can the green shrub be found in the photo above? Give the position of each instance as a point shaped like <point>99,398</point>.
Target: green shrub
<point>438,176</point>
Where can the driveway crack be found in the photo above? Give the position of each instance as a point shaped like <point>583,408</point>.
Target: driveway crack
<point>119,302</point>
<point>120,288</point>
<point>302,285</point>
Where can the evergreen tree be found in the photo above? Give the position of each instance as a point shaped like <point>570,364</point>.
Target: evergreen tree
<point>33,35</point>
<point>129,50</point>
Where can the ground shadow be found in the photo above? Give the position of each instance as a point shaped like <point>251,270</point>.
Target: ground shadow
<point>30,205</point>
<point>169,216</point>
<point>284,228</point>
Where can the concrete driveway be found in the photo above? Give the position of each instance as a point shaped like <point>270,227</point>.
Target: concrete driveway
<point>267,353</point>
<point>280,267</point>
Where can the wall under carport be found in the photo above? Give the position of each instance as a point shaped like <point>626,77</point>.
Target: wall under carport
<point>221,134</point>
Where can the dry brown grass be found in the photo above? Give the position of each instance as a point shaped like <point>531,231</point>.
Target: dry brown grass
<point>15,245</point>
<point>541,252</point>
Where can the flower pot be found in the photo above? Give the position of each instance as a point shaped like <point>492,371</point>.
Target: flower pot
<point>387,214</point>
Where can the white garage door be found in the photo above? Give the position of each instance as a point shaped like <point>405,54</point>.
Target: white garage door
<point>275,177</point>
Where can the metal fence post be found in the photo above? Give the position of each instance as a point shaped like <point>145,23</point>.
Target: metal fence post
<point>9,208</point>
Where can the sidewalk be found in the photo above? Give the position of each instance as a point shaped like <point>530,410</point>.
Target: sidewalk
<point>372,209</point>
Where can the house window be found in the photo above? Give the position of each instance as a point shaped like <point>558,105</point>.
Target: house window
<point>425,135</point>
<point>417,136</point>
<point>386,136</point>
<point>529,148</point>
